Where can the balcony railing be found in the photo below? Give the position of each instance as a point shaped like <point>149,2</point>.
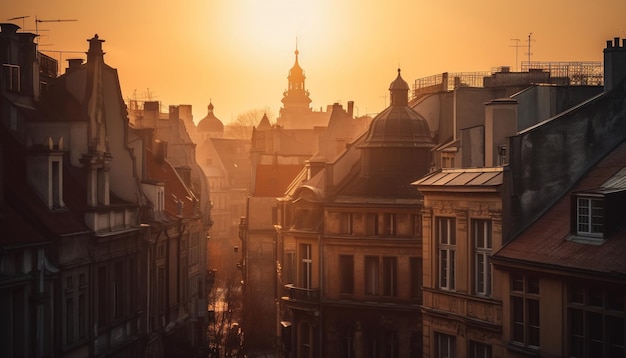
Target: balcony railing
<point>294,293</point>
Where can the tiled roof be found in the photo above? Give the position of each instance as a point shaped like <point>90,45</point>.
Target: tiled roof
<point>546,242</point>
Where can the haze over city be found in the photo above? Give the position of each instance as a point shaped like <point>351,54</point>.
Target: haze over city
<point>237,54</point>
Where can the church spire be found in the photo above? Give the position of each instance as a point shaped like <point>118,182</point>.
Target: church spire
<point>296,96</point>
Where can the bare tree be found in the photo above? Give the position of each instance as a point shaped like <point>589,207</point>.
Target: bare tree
<point>241,128</point>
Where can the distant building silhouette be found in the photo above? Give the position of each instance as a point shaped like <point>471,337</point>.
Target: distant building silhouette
<point>102,238</point>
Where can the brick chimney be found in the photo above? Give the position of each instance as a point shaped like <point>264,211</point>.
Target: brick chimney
<point>614,63</point>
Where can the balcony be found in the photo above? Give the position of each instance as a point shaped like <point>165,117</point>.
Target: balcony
<point>304,295</point>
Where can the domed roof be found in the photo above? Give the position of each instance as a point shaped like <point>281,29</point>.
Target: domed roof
<point>398,125</point>
<point>210,123</point>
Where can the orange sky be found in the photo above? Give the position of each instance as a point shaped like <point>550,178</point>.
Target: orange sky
<point>237,53</point>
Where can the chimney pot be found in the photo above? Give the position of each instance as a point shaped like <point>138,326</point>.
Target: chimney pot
<point>616,41</point>
<point>74,63</point>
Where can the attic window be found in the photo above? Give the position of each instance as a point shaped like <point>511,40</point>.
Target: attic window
<point>589,216</point>
<point>11,75</point>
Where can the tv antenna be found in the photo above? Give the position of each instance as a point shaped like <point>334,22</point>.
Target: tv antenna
<point>517,46</point>
<point>18,18</point>
<point>37,21</point>
<point>529,53</point>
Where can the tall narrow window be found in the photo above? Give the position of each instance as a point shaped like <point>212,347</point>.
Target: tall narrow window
<point>371,275</point>
<point>525,310</point>
<point>479,350</point>
<point>445,345</point>
<point>417,224</point>
<point>69,320</point>
<point>389,225</point>
<point>415,266</point>
<point>103,305</point>
<point>346,267</point>
<point>305,341</point>
<point>82,317</point>
<point>371,224</point>
<point>481,232</point>
<point>118,289</point>
<point>590,216</point>
<point>345,222</point>
<point>446,238</point>
<point>390,268</point>
<point>55,183</point>
<point>306,266</point>
<point>11,75</point>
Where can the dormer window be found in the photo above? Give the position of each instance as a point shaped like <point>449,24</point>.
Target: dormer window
<point>589,216</point>
<point>11,76</point>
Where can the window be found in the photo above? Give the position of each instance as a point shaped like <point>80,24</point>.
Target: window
<point>415,266</point>
<point>118,289</point>
<point>417,224</point>
<point>596,322</point>
<point>346,267</point>
<point>103,305</point>
<point>306,349</point>
<point>503,159</point>
<point>390,344</point>
<point>11,75</point>
<point>525,310</point>
<point>590,216</point>
<point>371,275</point>
<point>446,238</point>
<point>445,345</point>
<point>479,350</point>
<point>345,222</point>
<point>371,224</point>
<point>390,268</point>
<point>447,160</point>
<point>56,184</point>
<point>306,263</point>
<point>389,224</point>
<point>481,233</point>
<point>69,320</point>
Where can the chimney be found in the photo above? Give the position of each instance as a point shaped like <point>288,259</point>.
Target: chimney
<point>614,63</point>
<point>351,108</point>
<point>73,63</point>
<point>95,48</point>
<point>159,150</point>
<point>174,117</point>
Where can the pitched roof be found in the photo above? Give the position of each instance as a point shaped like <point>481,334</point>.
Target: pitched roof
<point>546,241</point>
<point>273,180</point>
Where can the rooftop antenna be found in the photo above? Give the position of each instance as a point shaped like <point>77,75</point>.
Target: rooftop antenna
<point>18,18</point>
<point>37,21</point>
<point>517,46</point>
<point>529,53</point>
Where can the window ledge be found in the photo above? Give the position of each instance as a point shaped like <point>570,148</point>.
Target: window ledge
<point>525,350</point>
<point>587,240</point>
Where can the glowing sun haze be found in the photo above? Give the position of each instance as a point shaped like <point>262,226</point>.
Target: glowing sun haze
<point>237,53</point>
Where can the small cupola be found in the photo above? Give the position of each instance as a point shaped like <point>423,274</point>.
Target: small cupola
<point>398,142</point>
<point>399,91</point>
